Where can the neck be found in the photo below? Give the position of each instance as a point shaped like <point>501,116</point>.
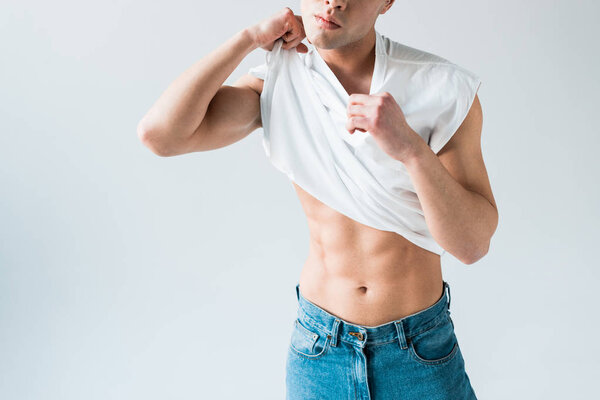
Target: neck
<point>353,59</point>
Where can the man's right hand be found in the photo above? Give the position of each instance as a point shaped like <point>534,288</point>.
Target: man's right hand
<point>284,24</point>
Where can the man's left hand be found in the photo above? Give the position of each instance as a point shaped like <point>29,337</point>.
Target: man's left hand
<point>381,115</point>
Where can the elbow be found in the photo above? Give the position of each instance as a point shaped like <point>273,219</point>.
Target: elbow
<point>476,254</point>
<point>480,248</point>
<point>150,139</point>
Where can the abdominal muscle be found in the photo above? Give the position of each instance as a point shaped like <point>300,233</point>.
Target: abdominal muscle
<point>363,275</point>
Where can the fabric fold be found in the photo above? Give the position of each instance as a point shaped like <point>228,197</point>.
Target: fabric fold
<point>303,110</point>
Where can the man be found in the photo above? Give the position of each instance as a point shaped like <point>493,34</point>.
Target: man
<point>372,320</point>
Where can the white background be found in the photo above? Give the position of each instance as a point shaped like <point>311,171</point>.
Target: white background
<point>124,275</point>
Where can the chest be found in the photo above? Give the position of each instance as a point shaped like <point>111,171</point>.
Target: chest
<point>356,84</point>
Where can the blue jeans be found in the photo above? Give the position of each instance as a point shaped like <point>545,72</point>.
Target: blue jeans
<point>414,358</point>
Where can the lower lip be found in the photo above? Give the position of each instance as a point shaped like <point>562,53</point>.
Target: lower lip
<point>326,24</point>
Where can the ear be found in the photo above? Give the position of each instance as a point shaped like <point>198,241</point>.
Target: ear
<point>386,6</point>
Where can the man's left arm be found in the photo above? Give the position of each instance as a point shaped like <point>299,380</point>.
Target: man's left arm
<point>454,190</point>
<point>452,186</point>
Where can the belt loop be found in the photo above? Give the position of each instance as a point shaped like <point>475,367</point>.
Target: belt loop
<point>334,332</point>
<point>448,286</point>
<point>401,335</point>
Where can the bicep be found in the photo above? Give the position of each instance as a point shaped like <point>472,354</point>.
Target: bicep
<point>232,114</point>
<point>462,155</point>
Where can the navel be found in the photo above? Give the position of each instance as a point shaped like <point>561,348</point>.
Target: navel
<point>362,289</point>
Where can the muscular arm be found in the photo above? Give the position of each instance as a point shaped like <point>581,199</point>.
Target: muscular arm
<point>197,112</point>
<point>176,122</point>
<point>454,191</point>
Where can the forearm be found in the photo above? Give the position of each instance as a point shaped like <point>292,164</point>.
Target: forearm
<point>460,220</point>
<point>182,106</point>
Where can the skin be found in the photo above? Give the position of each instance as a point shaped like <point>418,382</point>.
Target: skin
<point>360,274</point>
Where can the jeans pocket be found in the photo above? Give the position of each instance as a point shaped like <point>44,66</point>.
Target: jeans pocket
<point>435,346</point>
<point>308,341</point>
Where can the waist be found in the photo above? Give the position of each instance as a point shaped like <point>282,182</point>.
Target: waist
<point>372,289</point>
<point>315,317</point>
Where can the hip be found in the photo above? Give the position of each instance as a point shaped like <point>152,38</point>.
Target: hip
<point>417,356</point>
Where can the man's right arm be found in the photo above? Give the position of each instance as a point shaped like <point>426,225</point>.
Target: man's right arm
<point>233,113</point>
<point>197,112</point>
<point>180,111</point>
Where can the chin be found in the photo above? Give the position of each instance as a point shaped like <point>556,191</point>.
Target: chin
<point>325,40</point>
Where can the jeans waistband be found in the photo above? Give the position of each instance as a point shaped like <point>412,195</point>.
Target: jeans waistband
<point>339,329</point>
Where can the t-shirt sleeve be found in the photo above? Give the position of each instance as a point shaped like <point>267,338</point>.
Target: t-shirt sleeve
<point>455,95</point>
<point>259,71</point>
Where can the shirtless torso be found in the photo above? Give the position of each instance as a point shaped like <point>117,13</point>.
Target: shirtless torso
<point>361,274</point>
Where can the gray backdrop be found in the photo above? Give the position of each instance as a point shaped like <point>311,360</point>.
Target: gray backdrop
<point>124,275</point>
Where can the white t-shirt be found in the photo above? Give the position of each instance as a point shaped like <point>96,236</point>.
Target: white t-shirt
<point>303,110</point>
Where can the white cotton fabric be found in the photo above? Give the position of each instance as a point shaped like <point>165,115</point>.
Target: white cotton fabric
<point>303,110</point>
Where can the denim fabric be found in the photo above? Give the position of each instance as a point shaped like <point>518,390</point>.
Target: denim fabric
<point>414,358</point>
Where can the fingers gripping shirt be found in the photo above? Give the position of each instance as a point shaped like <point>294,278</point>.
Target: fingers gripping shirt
<point>303,109</point>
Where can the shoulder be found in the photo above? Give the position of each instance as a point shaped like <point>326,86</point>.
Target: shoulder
<point>413,59</point>
<point>425,77</point>
<point>400,52</point>
<point>250,81</point>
